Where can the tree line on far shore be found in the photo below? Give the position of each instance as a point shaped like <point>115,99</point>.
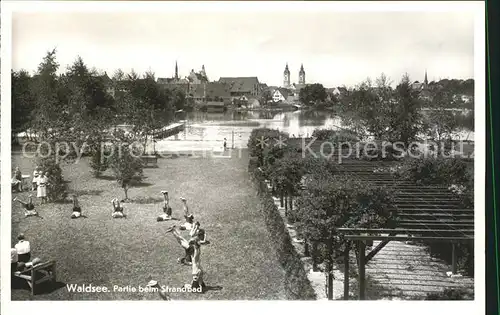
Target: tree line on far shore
<point>374,107</point>
<point>78,102</point>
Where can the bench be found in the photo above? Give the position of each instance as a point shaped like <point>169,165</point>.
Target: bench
<point>150,160</point>
<point>38,274</point>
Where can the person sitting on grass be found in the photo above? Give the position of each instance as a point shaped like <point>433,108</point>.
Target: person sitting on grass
<point>199,233</point>
<point>188,225</point>
<point>17,180</point>
<point>117,209</point>
<point>167,210</point>
<point>77,211</point>
<point>29,207</point>
<point>189,250</point>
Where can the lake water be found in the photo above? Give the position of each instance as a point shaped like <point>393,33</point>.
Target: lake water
<point>206,131</point>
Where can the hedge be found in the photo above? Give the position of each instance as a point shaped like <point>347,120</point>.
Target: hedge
<point>297,286</point>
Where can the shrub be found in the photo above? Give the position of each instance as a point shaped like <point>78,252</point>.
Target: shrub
<point>384,151</point>
<point>258,140</point>
<point>328,203</point>
<point>451,294</point>
<point>324,134</point>
<point>336,136</point>
<point>57,189</point>
<point>435,171</point>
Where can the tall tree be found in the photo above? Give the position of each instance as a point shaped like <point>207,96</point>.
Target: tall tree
<point>23,102</point>
<point>49,113</point>
<point>407,121</point>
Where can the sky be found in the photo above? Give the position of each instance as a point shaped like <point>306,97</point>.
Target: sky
<point>336,48</point>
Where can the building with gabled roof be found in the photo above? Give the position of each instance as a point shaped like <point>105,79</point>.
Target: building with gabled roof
<point>282,95</point>
<point>239,86</point>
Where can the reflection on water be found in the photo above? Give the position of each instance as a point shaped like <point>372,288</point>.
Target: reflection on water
<point>206,131</point>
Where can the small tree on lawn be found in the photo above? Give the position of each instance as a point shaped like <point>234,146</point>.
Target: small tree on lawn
<point>287,174</point>
<point>125,161</point>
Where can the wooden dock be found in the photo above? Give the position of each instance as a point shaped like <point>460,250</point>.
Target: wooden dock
<point>169,130</point>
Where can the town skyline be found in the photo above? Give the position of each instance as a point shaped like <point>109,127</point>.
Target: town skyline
<point>358,45</point>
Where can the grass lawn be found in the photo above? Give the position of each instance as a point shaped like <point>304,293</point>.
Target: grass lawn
<point>101,250</point>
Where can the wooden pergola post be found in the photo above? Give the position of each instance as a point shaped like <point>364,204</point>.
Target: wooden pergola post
<point>453,258</point>
<point>346,270</point>
<point>329,268</point>
<point>361,267</point>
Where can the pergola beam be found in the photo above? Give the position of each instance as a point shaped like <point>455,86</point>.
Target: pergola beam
<point>410,238</point>
<point>399,231</point>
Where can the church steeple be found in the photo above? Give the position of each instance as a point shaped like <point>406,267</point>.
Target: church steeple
<point>286,76</point>
<point>302,75</point>
<point>176,71</point>
<point>425,79</point>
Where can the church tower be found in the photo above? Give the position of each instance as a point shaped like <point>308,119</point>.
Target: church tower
<point>302,75</point>
<point>203,73</point>
<point>176,71</point>
<point>286,77</point>
<point>425,80</point>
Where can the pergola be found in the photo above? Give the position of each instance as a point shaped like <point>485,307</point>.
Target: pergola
<point>426,213</point>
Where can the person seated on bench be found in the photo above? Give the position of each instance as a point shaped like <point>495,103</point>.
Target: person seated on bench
<point>29,207</point>
<point>198,233</point>
<point>188,225</point>
<point>33,263</point>
<point>117,209</point>
<point>77,211</point>
<point>23,249</point>
<point>13,260</point>
<point>167,210</point>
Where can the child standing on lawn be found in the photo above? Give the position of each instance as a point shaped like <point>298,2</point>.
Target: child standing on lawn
<point>41,190</point>
<point>36,173</point>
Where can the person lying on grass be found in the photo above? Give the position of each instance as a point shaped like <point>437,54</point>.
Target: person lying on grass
<point>189,250</point>
<point>197,271</point>
<point>188,225</point>
<point>77,211</point>
<point>167,210</point>
<point>199,233</point>
<point>117,209</point>
<point>29,207</point>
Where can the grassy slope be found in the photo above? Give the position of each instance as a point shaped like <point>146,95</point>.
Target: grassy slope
<point>104,251</point>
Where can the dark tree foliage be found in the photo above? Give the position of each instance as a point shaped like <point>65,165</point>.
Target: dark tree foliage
<point>313,94</point>
<point>435,171</point>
